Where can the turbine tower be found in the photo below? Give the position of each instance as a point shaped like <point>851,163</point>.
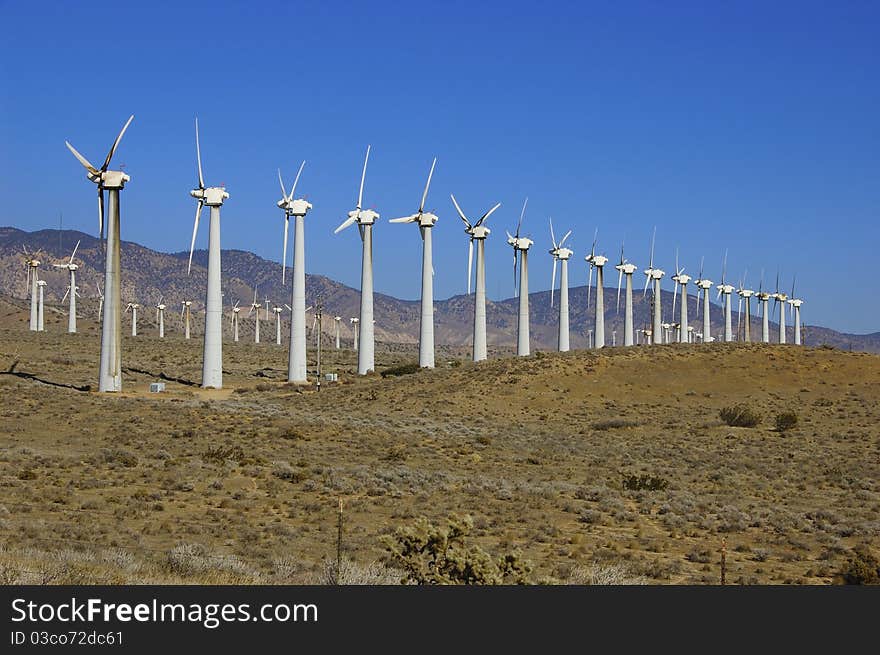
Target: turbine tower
<point>297,208</point>
<point>337,320</point>
<point>235,311</point>
<point>354,321</point>
<point>779,298</point>
<point>681,279</point>
<point>521,245</point>
<point>41,284</point>
<point>726,290</point>
<point>426,221</point>
<point>212,353</point>
<point>277,311</point>
<point>763,298</point>
<point>255,310</point>
<point>561,254</point>
<point>71,267</point>
<point>160,317</point>
<point>599,262</point>
<point>796,307</point>
<point>32,264</point>
<point>365,218</point>
<point>654,275</point>
<point>185,314</point>
<point>477,232</point>
<point>745,298</point>
<point>133,306</point>
<point>626,268</point>
<point>110,373</point>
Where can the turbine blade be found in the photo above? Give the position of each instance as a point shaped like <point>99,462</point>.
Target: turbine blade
<point>653,238</point>
<point>553,236</point>
<point>674,298</point>
<point>193,242</point>
<point>589,286</point>
<point>296,180</point>
<point>82,160</point>
<point>470,264</point>
<point>284,250</point>
<point>619,282</point>
<point>699,294</point>
<point>363,176</point>
<point>101,220</point>
<point>346,223</point>
<point>404,219</point>
<point>487,215</point>
<point>521,216</point>
<point>281,182</point>
<point>116,143</point>
<point>199,156</point>
<point>553,280</point>
<point>427,185</point>
<point>65,294</point>
<point>567,234</point>
<point>77,246</point>
<point>460,213</point>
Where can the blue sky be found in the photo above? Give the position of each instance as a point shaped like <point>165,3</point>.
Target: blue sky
<point>747,126</point>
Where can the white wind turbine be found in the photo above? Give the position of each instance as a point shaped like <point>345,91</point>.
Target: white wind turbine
<point>654,275</point>
<point>160,317</point>
<point>297,208</point>
<point>599,262</point>
<point>726,290</point>
<point>41,284</point>
<point>277,311</point>
<point>255,310</point>
<point>763,298</point>
<point>100,300</point>
<point>704,285</point>
<point>426,221</point>
<point>780,298</point>
<point>110,375</point>
<point>521,247</point>
<point>796,307</point>
<point>477,232</point>
<point>365,218</point>
<point>626,268</point>
<point>745,297</point>
<point>212,353</point>
<point>133,307</point>
<point>681,279</point>
<point>235,311</point>
<point>561,254</point>
<point>71,267</point>
<point>33,265</point>
<point>354,321</point>
<point>337,320</point>
<point>185,315</point>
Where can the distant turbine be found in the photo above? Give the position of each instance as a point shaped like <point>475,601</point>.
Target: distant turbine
<point>779,298</point>
<point>704,285</point>
<point>426,221</point>
<point>235,311</point>
<point>133,306</point>
<point>160,317</point>
<point>212,352</point>
<point>655,275</point>
<point>41,284</point>
<point>726,289</point>
<point>32,264</point>
<point>277,311</point>
<point>338,320</point>
<point>255,310</point>
<point>681,280</point>
<point>477,232</point>
<point>365,218</point>
<point>521,247</point>
<point>185,315</point>
<point>599,262</point>
<point>297,366</point>
<point>745,298</point>
<point>71,267</point>
<point>110,375</point>
<point>354,321</point>
<point>625,268</point>
<point>561,254</point>
<point>100,300</point>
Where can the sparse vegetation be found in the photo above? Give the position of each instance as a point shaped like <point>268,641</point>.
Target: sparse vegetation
<point>740,416</point>
<point>786,421</point>
<point>403,369</point>
<point>862,567</point>
<point>644,482</point>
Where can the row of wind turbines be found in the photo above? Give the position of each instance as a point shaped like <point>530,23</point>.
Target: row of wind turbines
<point>110,378</point>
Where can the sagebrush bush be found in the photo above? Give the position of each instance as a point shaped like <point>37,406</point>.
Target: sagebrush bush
<point>786,421</point>
<point>740,416</point>
<point>644,483</point>
<point>861,567</point>
<point>404,369</point>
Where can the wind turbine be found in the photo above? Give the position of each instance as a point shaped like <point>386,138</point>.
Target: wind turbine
<point>235,311</point>
<point>561,254</point>
<point>71,267</point>
<point>426,221</point>
<point>779,298</point>
<point>32,264</point>
<point>599,262</point>
<point>337,320</point>
<point>354,321</point>
<point>133,306</point>
<point>726,289</point>
<point>297,208</point>
<point>255,310</point>
<point>477,232</point>
<point>796,308</point>
<point>110,375</point>
<point>763,298</point>
<point>185,314</point>
<point>277,311</point>
<point>681,279</point>
<point>704,285</point>
<point>212,352</point>
<point>745,295</point>
<point>521,245</point>
<point>160,317</point>
<point>100,300</point>
<point>41,284</point>
<point>626,268</point>
<point>365,218</point>
<point>655,275</point>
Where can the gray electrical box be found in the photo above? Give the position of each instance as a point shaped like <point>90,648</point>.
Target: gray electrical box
<point>156,387</point>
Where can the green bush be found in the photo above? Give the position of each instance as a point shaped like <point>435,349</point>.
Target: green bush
<point>430,555</point>
<point>740,416</point>
<point>644,483</point>
<point>403,369</point>
<point>786,421</point>
<point>861,567</point>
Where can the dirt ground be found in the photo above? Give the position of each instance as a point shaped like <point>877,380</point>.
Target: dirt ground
<point>545,453</point>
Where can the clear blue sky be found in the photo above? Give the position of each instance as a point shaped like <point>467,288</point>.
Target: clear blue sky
<point>751,126</point>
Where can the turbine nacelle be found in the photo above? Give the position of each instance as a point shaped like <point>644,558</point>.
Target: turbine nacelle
<point>654,273</point>
<point>795,302</point>
<point>682,278</point>
<point>763,296</point>
<point>704,283</point>
<point>745,293</point>
<point>627,268</point>
<point>597,260</point>
<point>41,283</point>
<point>479,232</point>
<point>726,288</point>
<point>519,243</point>
<point>562,253</point>
<point>212,196</point>
<point>110,179</point>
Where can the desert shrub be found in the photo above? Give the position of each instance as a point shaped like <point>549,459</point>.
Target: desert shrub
<point>740,416</point>
<point>605,574</point>
<point>615,423</point>
<point>221,453</point>
<point>786,421</point>
<point>352,573</point>
<point>118,456</point>
<point>403,369</point>
<point>284,471</point>
<point>437,555</point>
<point>644,483</point>
<point>861,567</point>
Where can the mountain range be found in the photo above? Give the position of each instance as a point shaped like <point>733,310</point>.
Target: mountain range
<point>148,275</point>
